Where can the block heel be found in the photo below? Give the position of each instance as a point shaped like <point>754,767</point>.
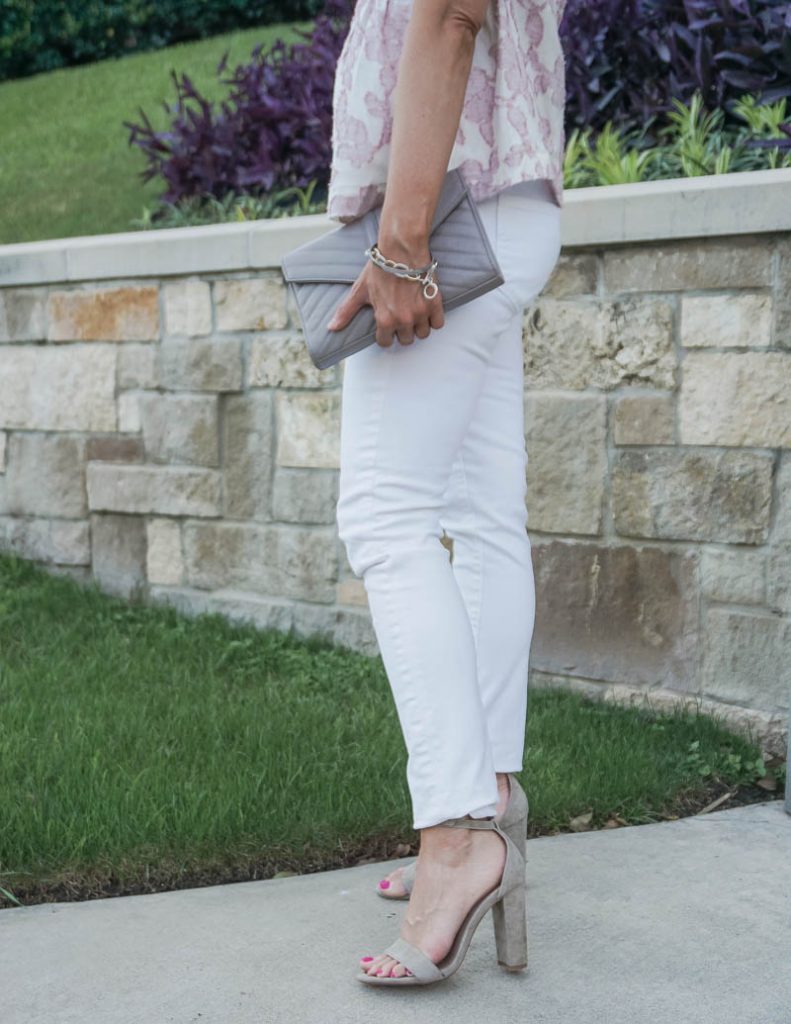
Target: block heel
<point>509,916</point>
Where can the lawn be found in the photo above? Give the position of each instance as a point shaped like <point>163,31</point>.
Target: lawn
<point>66,167</point>
<point>141,749</point>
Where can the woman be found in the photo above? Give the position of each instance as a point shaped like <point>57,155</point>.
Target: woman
<point>432,435</point>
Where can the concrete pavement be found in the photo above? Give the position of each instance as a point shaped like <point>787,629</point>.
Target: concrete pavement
<point>684,922</point>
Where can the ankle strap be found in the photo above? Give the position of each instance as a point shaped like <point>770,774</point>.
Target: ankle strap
<point>469,822</point>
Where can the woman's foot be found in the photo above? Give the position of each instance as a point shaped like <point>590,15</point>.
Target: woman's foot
<point>455,868</point>
<point>393,883</point>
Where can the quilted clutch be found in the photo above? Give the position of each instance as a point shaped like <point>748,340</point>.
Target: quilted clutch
<point>319,272</point>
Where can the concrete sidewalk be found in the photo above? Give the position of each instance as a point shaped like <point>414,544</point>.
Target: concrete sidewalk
<point>672,923</point>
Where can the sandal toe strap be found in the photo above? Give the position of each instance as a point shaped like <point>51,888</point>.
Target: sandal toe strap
<point>414,959</point>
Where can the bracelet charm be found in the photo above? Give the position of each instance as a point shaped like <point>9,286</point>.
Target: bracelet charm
<point>424,275</point>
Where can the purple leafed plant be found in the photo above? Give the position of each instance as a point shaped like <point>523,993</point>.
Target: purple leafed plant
<point>272,131</point>
<point>626,59</point>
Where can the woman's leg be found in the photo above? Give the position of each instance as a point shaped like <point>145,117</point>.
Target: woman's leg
<point>485,509</point>
<point>405,412</point>
<point>421,443</point>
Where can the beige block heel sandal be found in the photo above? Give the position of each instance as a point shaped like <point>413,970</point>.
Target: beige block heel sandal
<point>513,822</point>
<point>507,903</point>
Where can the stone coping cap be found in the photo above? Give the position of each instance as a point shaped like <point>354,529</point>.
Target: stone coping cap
<point>745,202</point>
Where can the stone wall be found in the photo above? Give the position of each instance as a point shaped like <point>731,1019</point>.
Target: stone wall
<point>163,432</point>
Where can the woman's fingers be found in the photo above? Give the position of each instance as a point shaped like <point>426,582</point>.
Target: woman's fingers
<point>422,328</point>
<point>401,315</point>
<point>406,333</point>
<point>384,330</point>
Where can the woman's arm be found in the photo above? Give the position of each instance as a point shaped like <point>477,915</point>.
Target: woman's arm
<point>433,72</point>
<point>429,96</point>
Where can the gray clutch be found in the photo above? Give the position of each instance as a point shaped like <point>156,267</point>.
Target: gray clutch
<point>319,272</point>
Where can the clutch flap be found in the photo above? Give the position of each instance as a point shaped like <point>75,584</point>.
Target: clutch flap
<point>337,257</point>
<point>334,258</point>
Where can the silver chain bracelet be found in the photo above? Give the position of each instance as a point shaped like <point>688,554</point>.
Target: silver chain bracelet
<point>421,274</point>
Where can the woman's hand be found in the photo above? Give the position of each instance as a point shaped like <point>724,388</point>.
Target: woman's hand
<point>399,305</point>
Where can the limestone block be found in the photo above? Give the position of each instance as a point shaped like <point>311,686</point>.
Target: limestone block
<point>52,541</point>
<point>118,546</point>
<point>308,429</point>
<point>782,322</point>
<point>567,461</point>
<point>138,365</point>
<point>164,561</point>
<point>279,561</point>
<point>187,307</point>
<point>692,495</point>
<point>23,314</point>
<point>726,321</point>
<point>45,387</point>
<point>781,532</point>
<point>104,314</point>
<point>305,495</point>
<point>779,579</point>
<point>574,274</point>
<point>114,448</point>
<point>250,304</point>
<point>747,659</point>
<point>688,265</point>
<point>200,364</point>
<point>733,575</point>
<point>620,614</point>
<point>45,475</point>
<point>180,428</point>
<point>129,419</point>
<point>315,621</point>
<point>164,490</point>
<point>742,399</point>
<point>352,592</point>
<point>282,361</point>
<point>354,630</point>
<point>644,419</point>
<point>235,605</point>
<point>581,343</point>
<point>247,423</point>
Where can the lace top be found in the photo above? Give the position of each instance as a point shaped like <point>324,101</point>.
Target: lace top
<point>511,126</point>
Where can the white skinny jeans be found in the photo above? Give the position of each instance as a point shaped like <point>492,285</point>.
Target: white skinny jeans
<point>432,437</point>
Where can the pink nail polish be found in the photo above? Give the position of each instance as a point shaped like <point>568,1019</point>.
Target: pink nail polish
<point>366,958</point>
<point>384,884</point>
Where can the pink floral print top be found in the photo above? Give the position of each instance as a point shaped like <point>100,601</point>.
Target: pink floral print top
<point>511,127</point>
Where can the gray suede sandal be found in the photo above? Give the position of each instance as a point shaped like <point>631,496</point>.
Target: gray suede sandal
<point>513,822</point>
<point>507,903</point>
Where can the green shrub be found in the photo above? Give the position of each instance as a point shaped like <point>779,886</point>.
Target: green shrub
<point>41,35</point>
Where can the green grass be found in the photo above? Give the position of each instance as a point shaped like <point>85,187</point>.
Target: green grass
<point>141,746</point>
<point>66,167</point>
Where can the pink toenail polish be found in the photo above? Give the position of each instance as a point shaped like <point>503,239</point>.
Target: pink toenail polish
<point>367,958</point>
<point>384,884</point>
